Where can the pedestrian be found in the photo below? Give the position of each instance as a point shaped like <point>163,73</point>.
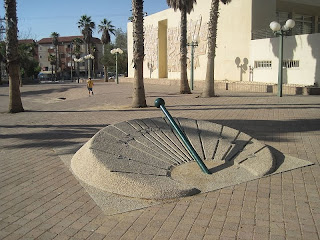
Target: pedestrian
<point>90,86</point>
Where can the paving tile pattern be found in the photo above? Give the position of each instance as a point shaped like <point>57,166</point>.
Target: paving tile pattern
<point>41,199</point>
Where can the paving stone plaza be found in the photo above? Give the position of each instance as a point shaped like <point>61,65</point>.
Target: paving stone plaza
<point>40,198</point>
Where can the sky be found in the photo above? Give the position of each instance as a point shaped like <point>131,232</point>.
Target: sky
<point>37,19</point>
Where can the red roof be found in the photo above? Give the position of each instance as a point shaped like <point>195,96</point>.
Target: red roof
<point>66,39</point>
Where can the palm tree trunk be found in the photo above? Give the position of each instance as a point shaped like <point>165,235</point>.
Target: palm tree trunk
<point>139,99</point>
<point>15,104</point>
<point>105,69</point>
<point>78,71</point>
<point>1,73</point>
<point>184,85</point>
<point>208,90</point>
<point>51,72</point>
<point>56,66</point>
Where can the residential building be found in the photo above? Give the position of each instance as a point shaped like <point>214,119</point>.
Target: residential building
<point>30,42</point>
<point>247,49</point>
<point>66,56</point>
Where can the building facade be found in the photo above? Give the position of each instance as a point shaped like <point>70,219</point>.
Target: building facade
<point>66,57</point>
<point>247,49</point>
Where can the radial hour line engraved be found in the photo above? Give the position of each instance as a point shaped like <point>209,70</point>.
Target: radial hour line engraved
<point>175,134</point>
<point>216,148</point>
<point>232,144</point>
<point>164,147</point>
<point>201,143</point>
<point>191,131</point>
<point>149,135</point>
<point>226,153</point>
<point>169,147</point>
<point>156,144</point>
<point>184,132</point>
<point>132,159</point>
<point>174,141</point>
<point>178,152</point>
<point>252,154</point>
<point>131,143</point>
<point>164,143</point>
<point>233,156</point>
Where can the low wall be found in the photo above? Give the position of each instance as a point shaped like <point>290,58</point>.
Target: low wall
<point>287,89</point>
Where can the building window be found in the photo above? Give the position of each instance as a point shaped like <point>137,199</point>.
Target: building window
<point>291,63</point>
<point>262,64</point>
<point>304,24</point>
<point>282,17</point>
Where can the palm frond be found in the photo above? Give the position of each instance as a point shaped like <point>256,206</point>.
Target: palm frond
<point>182,4</point>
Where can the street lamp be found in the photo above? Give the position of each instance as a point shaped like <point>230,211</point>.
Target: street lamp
<point>192,44</point>
<point>78,61</point>
<point>71,46</point>
<point>281,31</point>
<point>89,57</point>
<point>116,51</point>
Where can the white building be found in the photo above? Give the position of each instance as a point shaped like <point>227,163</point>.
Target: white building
<point>247,49</point>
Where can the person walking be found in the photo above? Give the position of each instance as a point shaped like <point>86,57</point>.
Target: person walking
<point>90,86</point>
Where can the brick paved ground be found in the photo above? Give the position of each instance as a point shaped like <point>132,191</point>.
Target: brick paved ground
<point>41,199</point>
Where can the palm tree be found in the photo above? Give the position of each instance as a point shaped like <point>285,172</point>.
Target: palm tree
<point>12,56</point>
<point>185,6</point>
<point>77,42</point>
<point>53,61</point>
<point>208,90</point>
<point>106,28</point>
<point>55,42</point>
<point>94,51</point>
<point>139,98</point>
<point>86,25</point>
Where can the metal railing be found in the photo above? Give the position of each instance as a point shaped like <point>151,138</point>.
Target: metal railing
<point>159,103</point>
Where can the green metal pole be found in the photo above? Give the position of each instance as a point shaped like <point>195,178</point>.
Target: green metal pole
<point>280,64</point>
<point>117,68</point>
<point>192,58</point>
<point>89,68</point>
<point>159,103</point>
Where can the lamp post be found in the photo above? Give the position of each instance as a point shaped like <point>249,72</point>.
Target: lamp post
<point>71,46</point>
<point>281,31</point>
<point>116,51</point>
<point>89,57</point>
<point>192,44</point>
<point>78,61</point>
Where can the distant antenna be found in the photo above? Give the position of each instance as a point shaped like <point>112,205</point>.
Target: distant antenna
<point>2,29</point>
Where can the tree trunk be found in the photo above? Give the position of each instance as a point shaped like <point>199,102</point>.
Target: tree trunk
<point>51,72</point>
<point>56,66</point>
<point>138,99</point>
<point>184,85</point>
<point>78,71</point>
<point>208,89</point>
<point>1,73</point>
<point>105,69</point>
<point>15,104</point>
